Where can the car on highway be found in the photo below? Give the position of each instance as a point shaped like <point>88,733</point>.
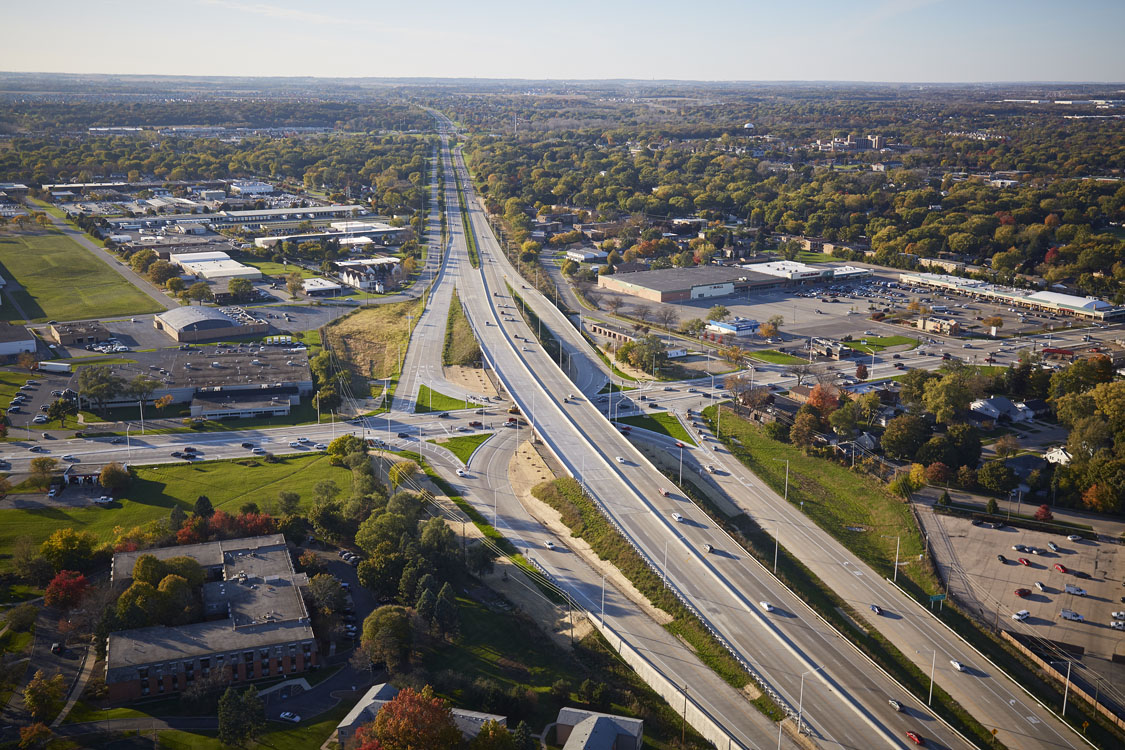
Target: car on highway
<point>476,424</point>
<point>294,444</point>
<point>320,447</point>
<point>406,435</point>
<point>876,609</point>
<point>957,665</point>
<point>1074,538</point>
<point>549,544</point>
<point>1052,546</point>
<point>664,492</point>
<point>677,517</point>
<point>1061,568</point>
<point>290,716</point>
<point>619,459</point>
<point>117,441</point>
<point>766,606</point>
<point>895,704</point>
<point>708,548</point>
<point>1020,616</point>
<point>247,445</point>
<point>1025,561</point>
<point>36,449</point>
<point>259,451</point>
<point>461,473</point>
<point>1021,593</point>
<point>916,738</point>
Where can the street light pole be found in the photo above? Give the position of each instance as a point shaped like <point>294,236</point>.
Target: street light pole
<point>801,699</point>
<point>786,460</point>
<point>933,664</point>
<point>681,464</point>
<point>1066,690</point>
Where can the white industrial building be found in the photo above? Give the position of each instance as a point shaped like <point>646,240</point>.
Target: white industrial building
<point>1090,308</point>
<point>251,187</point>
<point>15,340</point>
<point>214,265</point>
<point>321,287</point>
<point>794,271</point>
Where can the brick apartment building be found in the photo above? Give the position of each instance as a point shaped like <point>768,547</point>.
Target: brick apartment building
<point>256,625</point>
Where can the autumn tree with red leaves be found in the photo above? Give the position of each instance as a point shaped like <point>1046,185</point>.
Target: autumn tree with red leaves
<point>66,589</point>
<point>413,720</point>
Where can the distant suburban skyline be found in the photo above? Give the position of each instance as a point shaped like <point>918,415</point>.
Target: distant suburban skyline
<point>751,40</point>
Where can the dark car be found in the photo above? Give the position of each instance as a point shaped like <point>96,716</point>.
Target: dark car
<point>247,445</point>
<point>1001,558</point>
<point>1023,592</point>
<point>404,435</point>
<point>876,609</point>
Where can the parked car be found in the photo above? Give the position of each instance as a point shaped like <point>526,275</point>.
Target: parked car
<point>1020,616</point>
<point>1061,568</point>
<point>290,716</point>
<point>1023,592</point>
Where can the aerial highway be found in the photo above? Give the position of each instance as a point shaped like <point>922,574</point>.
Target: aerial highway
<point>810,665</point>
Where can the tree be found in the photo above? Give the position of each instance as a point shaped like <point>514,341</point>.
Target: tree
<point>693,327</point>
<point>326,592</point>
<point>718,312</point>
<point>149,569</point>
<point>522,737</point>
<point>938,473</point>
<point>946,398</point>
<point>203,507</point>
<point>387,637</point>
<point>800,371</point>
<point>479,560</point>
<point>1044,514</point>
<point>200,292</point>
<point>99,384</point>
<point>994,321</point>
<point>903,485</point>
<point>447,617</point>
<point>991,507</point>
<point>232,730</point>
<point>240,289</point>
<point>28,361</point>
<point>425,606</point>
<point>804,429</point>
<point>294,283</point>
<point>60,409</point>
<point>614,304</point>
<point>67,549</point>
<point>66,589</point>
<point>163,402</point>
<point>493,736</point>
<point>1007,445</point>
<point>997,477</point>
<point>904,435</point>
<point>42,469</point>
<point>667,317</point>
<point>844,421</point>
<point>34,736</point>
<point>861,371</point>
<point>161,271</point>
<point>415,720</point>
<point>401,473</point>
<point>824,400</point>
<point>114,476</point>
<point>177,601</point>
<point>288,502</point>
<point>343,446</point>
<point>43,695</point>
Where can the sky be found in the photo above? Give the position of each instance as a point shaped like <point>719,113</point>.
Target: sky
<point>743,40</point>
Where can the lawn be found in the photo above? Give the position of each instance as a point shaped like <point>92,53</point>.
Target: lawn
<point>275,270</point>
<point>832,496</point>
<point>775,357</point>
<point>155,489</point>
<point>10,383</point>
<point>807,256</point>
<point>663,422</point>
<point>431,400</point>
<point>308,735</point>
<point>879,343</point>
<point>63,280</point>
<point>463,446</point>
<point>372,341</point>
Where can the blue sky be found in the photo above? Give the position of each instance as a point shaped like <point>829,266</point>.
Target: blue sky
<point>878,40</point>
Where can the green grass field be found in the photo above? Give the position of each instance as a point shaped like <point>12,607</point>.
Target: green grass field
<point>879,343</point>
<point>431,400</point>
<point>832,496</point>
<point>807,256</point>
<point>275,270</point>
<point>155,489</point>
<point>461,347</point>
<point>10,383</point>
<point>775,357</point>
<point>463,446</point>
<point>663,422</point>
<point>63,280</point>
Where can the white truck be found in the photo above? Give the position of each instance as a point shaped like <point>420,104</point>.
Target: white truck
<point>55,367</point>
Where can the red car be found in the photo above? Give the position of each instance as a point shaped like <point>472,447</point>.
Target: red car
<point>916,738</point>
<point>626,428</point>
<point>1022,592</point>
<point>1025,561</point>
<point>1061,568</point>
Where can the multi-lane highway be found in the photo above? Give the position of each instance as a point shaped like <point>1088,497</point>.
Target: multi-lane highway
<point>636,504</point>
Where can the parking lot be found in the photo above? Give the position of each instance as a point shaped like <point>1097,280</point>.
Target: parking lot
<point>986,586</point>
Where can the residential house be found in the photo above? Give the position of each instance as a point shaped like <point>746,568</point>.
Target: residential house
<point>579,729</point>
<point>1058,455</point>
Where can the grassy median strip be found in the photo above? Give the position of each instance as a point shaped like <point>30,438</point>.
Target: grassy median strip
<point>470,238</point>
<point>463,446</point>
<point>662,422</point>
<point>879,343</point>
<point>775,357</point>
<point>431,400</point>
<point>461,347</point>
<point>585,521</point>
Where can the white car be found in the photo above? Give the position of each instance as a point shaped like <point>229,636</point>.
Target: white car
<point>294,444</point>
<point>290,716</point>
<point>619,459</point>
<point>1117,624</point>
<point>549,545</point>
<point>957,665</point>
<point>1118,615</point>
<point>1074,538</point>
<point>461,473</point>
<point>1022,615</point>
<point>320,447</point>
<point>766,606</point>
<point>70,458</point>
<point>52,492</point>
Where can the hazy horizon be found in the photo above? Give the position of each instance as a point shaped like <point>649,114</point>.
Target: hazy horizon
<point>720,41</point>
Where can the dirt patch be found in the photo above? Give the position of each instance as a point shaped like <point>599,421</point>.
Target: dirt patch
<point>527,469</point>
<point>472,379</point>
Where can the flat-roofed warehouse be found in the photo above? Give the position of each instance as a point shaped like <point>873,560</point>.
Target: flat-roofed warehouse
<point>1090,308</point>
<point>191,324</point>
<point>256,623</point>
<point>681,284</point>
